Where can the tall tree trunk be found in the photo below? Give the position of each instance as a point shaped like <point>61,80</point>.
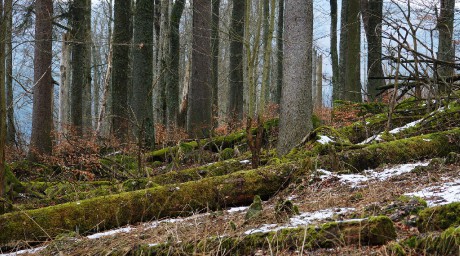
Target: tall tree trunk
<point>334,53</point>
<point>120,72</point>
<point>445,48</point>
<point>199,120</point>
<point>318,99</point>
<point>215,60</point>
<point>236,37</point>
<point>269,27</point>
<point>64,88</point>
<point>350,39</point>
<point>172,86</point>
<point>296,103</point>
<point>372,11</point>
<point>42,114</point>
<point>81,65</point>
<point>163,61</point>
<point>2,107</point>
<point>11,129</point>
<point>142,104</point>
<point>279,52</point>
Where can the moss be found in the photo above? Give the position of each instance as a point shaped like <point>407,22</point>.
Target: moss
<point>255,209</point>
<point>398,151</point>
<point>226,154</point>
<point>395,249</point>
<point>327,235</point>
<point>110,211</point>
<point>453,158</point>
<point>446,243</point>
<point>439,217</point>
<point>380,230</point>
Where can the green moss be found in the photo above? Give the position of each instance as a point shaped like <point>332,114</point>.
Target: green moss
<point>110,211</point>
<point>380,230</point>
<point>395,249</point>
<point>446,243</point>
<point>255,209</point>
<point>226,154</point>
<point>439,217</point>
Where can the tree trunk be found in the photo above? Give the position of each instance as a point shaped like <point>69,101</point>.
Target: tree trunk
<point>142,105</point>
<point>334,53</point>
<point>172,85</point>
<point>42,113</point>
<point>279,52</point>
<point>269,27</point>
<point>445,46</point>
<point>319,82</point>
<point>81,65</point>
<point>215,37</point>
<point>120,74</point>
<point>236,37</point>
<point>199,120</point>
<point>2,108</point>
<point>159,98</point>
<point>64,87</point>
<point>11,129</point>
<point>372,11</point>
<point>351,78</point>
<point>296,103</point>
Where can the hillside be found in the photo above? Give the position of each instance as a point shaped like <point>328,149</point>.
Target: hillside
<point>353,189</point>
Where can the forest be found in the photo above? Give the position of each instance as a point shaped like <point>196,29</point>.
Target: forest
<point>229,127</point>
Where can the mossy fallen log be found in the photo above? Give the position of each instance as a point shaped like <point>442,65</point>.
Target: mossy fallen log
<point>394,152</point>
<point>433,243</point>
<point>439,217</point>
<point>373,231</point>
<point>111,211</point>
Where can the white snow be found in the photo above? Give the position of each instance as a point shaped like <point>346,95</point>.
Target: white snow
<point>376,137</point>
<point>111,232</point>
<point>442,194</point>
<point>245,161</point>
<point>411,124</point>
<point>324,140</point>
<point>30,251</point>
<point>303,219</point>
<point>237,209</point>
<point>356,180</point>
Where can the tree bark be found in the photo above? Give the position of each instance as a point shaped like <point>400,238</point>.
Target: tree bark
<point>11,129</point>
<point>172,86</point>
<point>120,72</point>
<point>215,37</point>
<point>42,114</point>
<point>318,99</point>
<point>81,66</point>
<point>296,103</point>
<point>236,37</point>
<point>199,120</point>
<point>269,27</point>
<point>64,87</point>
<point>142,104</point>
<point>372,11</point>
<point>2,108</point>
<point>334,52</point>
<point>279,52</point>
<point>445,45</point>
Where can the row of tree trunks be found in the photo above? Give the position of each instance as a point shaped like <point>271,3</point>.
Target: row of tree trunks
<point>107,212</point>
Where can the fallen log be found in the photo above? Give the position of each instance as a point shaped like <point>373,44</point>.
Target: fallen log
<point>111,211</point>
<point>394,152</point>
<point>439,218</point>
<point>373,231</point>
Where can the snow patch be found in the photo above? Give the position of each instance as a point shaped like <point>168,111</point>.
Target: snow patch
<point>245,161</point>
<point>303,219</point>
<point>411,124</point>
<point>324,140</point>
<point>446,193</point>
<point>28,251</point>
<point>356,180</point>
<point>111,232</point>
<point>237,209</point>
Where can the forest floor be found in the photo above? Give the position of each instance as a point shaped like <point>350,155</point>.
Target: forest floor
<point>321,195</point>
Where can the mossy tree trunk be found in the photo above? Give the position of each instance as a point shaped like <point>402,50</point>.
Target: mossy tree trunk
<point>279,52</point>
<point>334,52</point>
<point>172,86</point>
<point>141,103</point>
<point>11,129</point>
<point>215,44</point>
<point>445,45</point>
